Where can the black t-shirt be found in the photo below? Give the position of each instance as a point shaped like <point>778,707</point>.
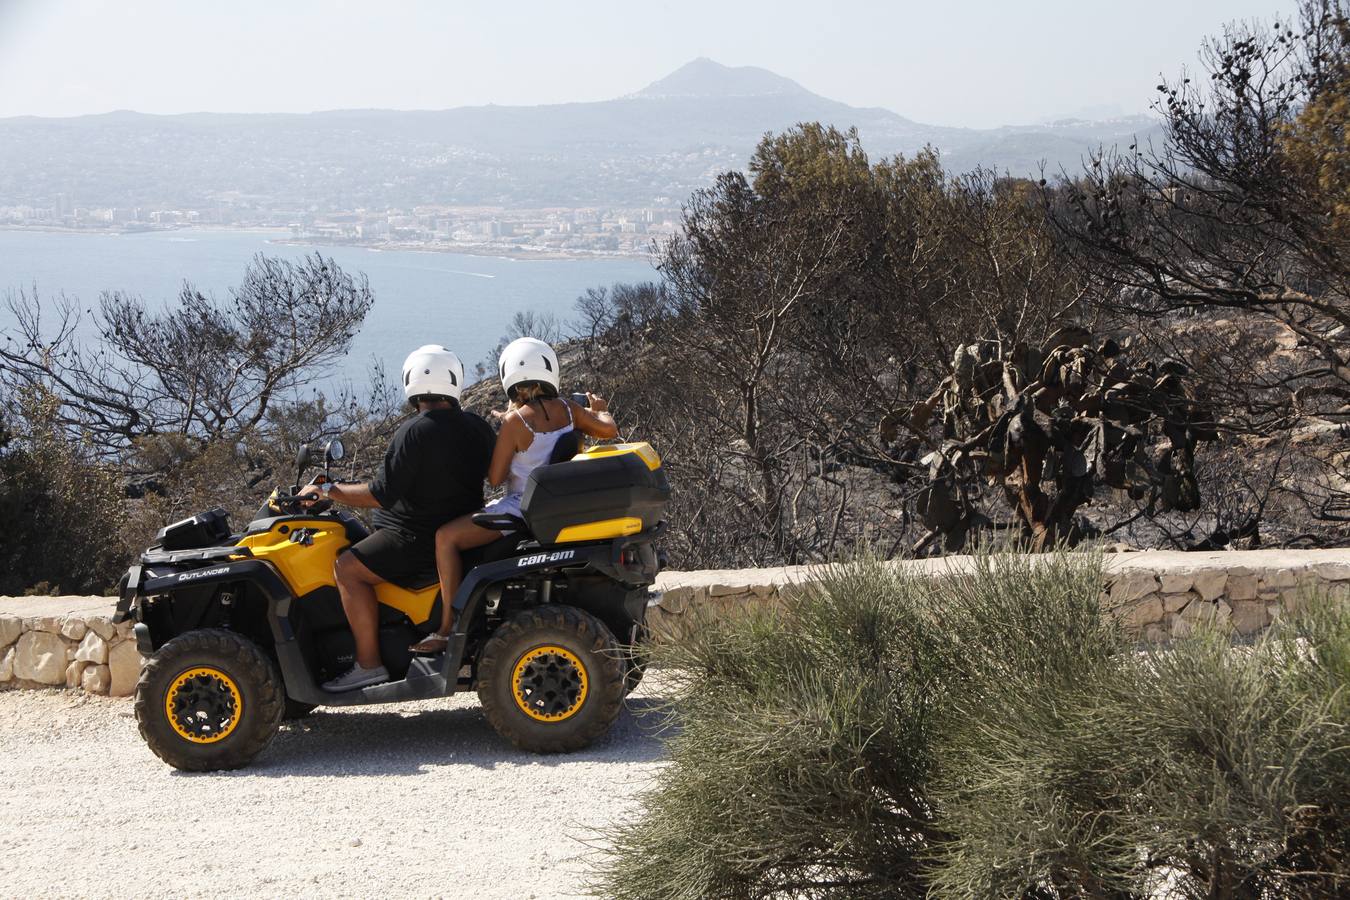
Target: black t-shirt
<point>433,471</point>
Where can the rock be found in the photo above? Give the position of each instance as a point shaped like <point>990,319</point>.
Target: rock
<point>1210,583</point>
<point>95,679</point>
<point>1200,611</point>
<point>6,664</point>
<point>10,629</point>
<point>1241,587</point>
<point>124,665</point>
<point>1176,583</point>
<point>73,628</point>
<point>1179,625</point>
<point>1249,616</point>
<point>124,629</point>
<point>1331,571</point>
<point>49,624</point>
<point>764,590</point>
<point>725,590</point>
<point>675,600</point>
<point>1177,602</point>
<point>93,649</point>
<point>103,627</point>
<point>73,673</point>
<point>1144,611</point>
<point>1132,584</point>
<point>1278,579</point>
<point>1156,633</point>
<point>40,656</point>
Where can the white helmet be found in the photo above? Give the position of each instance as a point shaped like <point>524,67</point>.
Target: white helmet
<point>528,359</point>
<point>434,370</point>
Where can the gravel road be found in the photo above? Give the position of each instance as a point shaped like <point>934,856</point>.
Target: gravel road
<point>418,800</point>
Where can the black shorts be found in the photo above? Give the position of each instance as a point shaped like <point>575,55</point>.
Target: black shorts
<point>398,556</point>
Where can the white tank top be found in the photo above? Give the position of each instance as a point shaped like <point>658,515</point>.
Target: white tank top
<point>537,454</point>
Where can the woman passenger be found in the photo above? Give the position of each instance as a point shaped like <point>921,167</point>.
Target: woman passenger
<point>531,428</point>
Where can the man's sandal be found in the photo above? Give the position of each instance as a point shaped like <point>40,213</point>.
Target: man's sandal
<point>432,643</point>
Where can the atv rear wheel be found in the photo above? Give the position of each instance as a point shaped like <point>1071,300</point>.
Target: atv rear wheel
<point>551,679</point>
<point>209,699</point>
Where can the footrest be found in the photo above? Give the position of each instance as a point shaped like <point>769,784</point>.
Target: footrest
<point>424,667</point>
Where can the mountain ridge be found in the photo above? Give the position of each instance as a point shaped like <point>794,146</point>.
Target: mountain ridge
<point>651,147</point>
<point>704,77</point>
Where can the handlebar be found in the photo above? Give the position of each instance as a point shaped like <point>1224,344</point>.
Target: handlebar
<point>291,504</point>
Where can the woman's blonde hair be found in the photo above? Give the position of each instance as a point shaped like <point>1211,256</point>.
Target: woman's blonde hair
<point>527,392</point>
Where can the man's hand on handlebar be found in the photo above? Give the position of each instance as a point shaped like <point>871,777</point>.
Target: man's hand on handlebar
<point>311,493</point>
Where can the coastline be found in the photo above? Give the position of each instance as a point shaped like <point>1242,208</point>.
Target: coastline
<point>120,232</point>
<point>282,235</point>
<point>490,250</point>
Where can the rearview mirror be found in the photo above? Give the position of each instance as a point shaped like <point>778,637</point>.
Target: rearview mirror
<point>301,461</point>
<point>334,451</point>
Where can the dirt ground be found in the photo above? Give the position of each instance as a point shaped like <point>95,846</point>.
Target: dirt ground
<point>417,800</point>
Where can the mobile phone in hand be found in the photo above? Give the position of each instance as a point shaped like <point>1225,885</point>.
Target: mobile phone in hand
<point>581,400</point>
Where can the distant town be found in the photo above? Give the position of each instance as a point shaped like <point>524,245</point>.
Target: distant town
<point>595,231</point>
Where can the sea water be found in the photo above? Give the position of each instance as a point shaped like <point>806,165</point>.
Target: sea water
<point>464,302</point>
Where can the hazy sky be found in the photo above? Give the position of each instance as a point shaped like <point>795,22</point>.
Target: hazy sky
<point>949,62</point>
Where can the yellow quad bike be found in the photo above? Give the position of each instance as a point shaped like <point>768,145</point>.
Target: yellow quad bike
<point>241,629</point>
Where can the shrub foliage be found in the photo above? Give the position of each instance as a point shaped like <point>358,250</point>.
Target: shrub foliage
<point>992,735</point>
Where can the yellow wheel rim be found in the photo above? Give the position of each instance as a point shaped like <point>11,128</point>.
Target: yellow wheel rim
<point>203,705</point>
<point>550,684</point>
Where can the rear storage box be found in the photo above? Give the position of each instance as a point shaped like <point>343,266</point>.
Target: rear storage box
<point>607,492</point>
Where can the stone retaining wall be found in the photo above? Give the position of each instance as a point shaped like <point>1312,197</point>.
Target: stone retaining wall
<point>1156,594</point>
<point>71,641</point>
<point>66,642</point>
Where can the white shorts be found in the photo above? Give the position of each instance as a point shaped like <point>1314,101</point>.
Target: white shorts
<point>504,506</point>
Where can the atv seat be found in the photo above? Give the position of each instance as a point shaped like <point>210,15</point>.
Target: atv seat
<point>499,549</point>
<point>567,447</point>
<point>496,522</point>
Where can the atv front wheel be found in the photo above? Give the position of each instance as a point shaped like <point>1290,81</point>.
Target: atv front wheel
<point>209,699</point>
<point>551,679</point>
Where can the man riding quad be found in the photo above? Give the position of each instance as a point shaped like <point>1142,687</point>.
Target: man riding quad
<point>432,472</point>
<point>241,629</point>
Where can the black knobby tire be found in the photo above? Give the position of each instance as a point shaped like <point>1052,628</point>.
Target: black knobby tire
<point>580,635</point>
<point>243,666</point>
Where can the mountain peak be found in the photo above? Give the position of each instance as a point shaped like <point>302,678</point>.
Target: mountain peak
<point>707,78</point>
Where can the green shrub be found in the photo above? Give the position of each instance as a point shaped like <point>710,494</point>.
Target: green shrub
<point>992,735</point>
<point>802,757</point>
<point>59,507</point>
<point>1199,769</point>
